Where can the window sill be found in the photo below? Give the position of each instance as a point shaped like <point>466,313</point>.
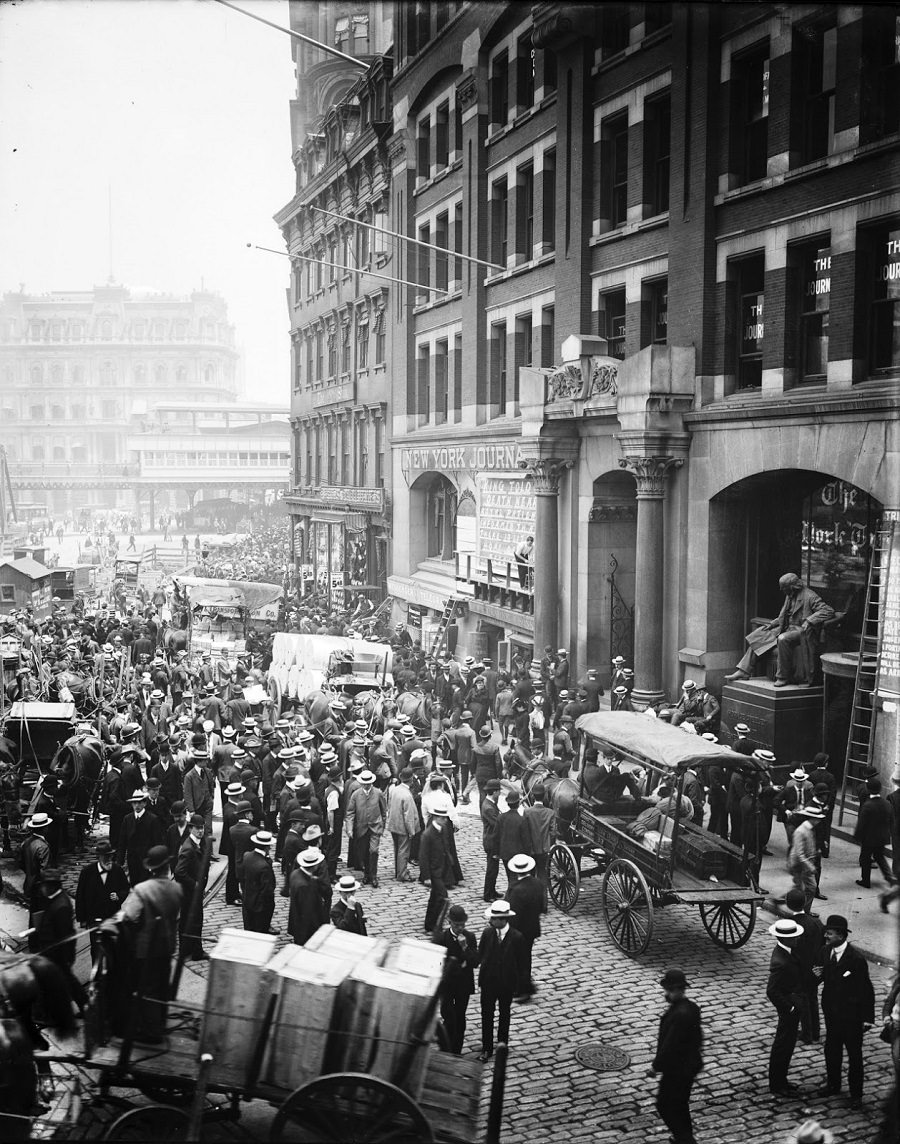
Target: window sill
<point>628,228</point>
<point>521,268</point>
<point>436,178</point>
<point>522,118</point>
<point>424,307</point>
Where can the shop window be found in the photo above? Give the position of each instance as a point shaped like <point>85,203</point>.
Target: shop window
<point>883,273</point>
<point>814,60</point>
<point>657,146</point>
<point>614,170</point>
<point>880,73</point>
<point>499,89</point>
<point>500,222</point>
<point>655,312</point>
<point>815,303</point>
<point>611,322</point>
<point>524,73</point>
<point>749,276</point>
<point>525,213</point>
<point>750,114</point>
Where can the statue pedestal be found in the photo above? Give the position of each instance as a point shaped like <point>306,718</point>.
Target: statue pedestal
<point>786,720</point>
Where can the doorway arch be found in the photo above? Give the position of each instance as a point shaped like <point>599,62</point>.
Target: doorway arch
<point>432,519</point>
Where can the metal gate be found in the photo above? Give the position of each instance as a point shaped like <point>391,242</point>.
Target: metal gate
<point>621,619</point>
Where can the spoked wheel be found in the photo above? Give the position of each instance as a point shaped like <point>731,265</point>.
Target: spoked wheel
<point>729,924</point>
<point>275,694</point>
<point>157,1122</point>
<point>564,876</point>
<point>350,1108</point>
<point>627,907</point>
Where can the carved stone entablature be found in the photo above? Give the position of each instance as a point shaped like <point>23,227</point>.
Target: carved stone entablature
<point>397,148</point>
<point>556,25</point>
<point>600,512</point>
<point>651,473</point>
<point>566,382</point>
<point>545,474</point>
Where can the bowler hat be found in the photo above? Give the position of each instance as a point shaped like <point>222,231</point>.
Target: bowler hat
<point>673,979</point>
<point>467,714</point>
<point>837,922</point>
<point>457,914</point>
<point>198,820</point>
<point>512,798</point>
<point>157,858</point>
<point>492,785</point>
<point>243,807</point>
<point>484,733</point>
<point>103,848</point>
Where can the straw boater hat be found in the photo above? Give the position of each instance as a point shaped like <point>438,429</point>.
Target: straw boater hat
<point>499,909</point>
<point>228,732</point>
<point>234,790</point>
<point>688,685</point>
<point>262,838</point>
<point>798,773</point>
<point>309,858</point>
<point>785,928</point>
<point>39,821</point>
<point>366,778</point>
<point>521,864</point>
<point>741,729</point>
<point>347,884</point>
<point>766,757</point>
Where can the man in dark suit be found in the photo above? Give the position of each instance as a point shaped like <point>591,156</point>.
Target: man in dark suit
<point>258,889</point>
<point>178,831</point>
<point>102,888</point>
<point>808,952</point>
<point>310,904</point>
<point>436,865</point>
<point>490,814</point>
<point>191,876</point>
<point>54,933</point>
<point>785,991</point>
<point>141,830</point>
<point>679,1049</point>
<point>239,836</point>
<point>230,803</point>
<point>526,899</point>
<point>513,832</point>
<point>848,1002</point>
<point>459,977</point>
<point>501,956</point>
<point>171,780</point>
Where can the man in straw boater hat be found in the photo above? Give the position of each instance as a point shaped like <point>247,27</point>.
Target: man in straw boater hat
<point>785,991</point>
<point>258,883</point>
<point>848,1004</point>
<point>347,913</point>
<point>151,911</point>
<point>501,954</point>
<point>310,903</point>
<point>436,866</point>
<point>679,1057</point>
<point>804,850</point>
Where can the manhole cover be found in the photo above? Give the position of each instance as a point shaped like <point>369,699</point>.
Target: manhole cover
<point>603,1058</point>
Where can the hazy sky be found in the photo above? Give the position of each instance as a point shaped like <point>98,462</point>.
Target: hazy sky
<point>181,106</point>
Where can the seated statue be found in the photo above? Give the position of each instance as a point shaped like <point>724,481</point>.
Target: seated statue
<point>797,629</point>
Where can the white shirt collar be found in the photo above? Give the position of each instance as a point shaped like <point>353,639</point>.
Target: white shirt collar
<point>839,950</point>
<point>786,948</point>
<point>503,931</point>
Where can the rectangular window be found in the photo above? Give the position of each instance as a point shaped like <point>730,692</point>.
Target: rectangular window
<point>457,131</point>
<point>380,337</point>
<point>548,206</point>
<point>7,593</point>
<point>880,73</point>
<point>657,143</point>
<point>750,280</point>
<point>611,322</point>
<point>815,62</point>
<point>441,261</point>
<point>614,169</point>
<point>525,213</point>
<point>297,278</point>
<point>884,287</point>
<point>362,244</point>
<point>500,222</point>
<point>499,89</point>
<point>457,377</point>
<point>655,312</point>
<point>750,114</point>
<point>310,359</point>
<point>345,347</point>
<point>498,369</point>
<point>332,454</point>
<point>320,345</point>
<point>548,337</point>
<point>524,73</point>
<point>332,260</point>
<point>423,385</point>
<point>332,352</point>
<point>360,35</point>
<point>379,453</point>
<point>523,352</point>
<point>423,149</point>
<point>615,29</point>
<point>424,258</point>
<point>457,245</point>
<point>346,439</point>
<point>442,137</point>
<point>815,303</point>
<point>362,342</point>
<point>441,391</point>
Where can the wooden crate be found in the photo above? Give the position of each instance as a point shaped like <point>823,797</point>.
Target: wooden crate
<point>413,956</point>
<point>381,1010</point>
<point>236,995</point>
<point>307,984</point>
<point>340,943</point>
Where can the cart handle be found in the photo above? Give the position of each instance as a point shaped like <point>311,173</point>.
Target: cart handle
<point>498,1088</point>
<point>196,1116</point>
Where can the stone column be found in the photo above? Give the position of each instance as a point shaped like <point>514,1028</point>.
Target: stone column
<point>650,473</point>
<point>545,474</point>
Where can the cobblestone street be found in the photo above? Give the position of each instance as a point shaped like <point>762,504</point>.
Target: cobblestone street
<point>589,992</point>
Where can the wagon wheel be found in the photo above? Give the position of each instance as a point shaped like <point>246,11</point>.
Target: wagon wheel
<point>627,907</point>
<point>565,877</point>
<point>275,694</point>
<point>350,1108</point>
<point>729,924</point>
<point>157,1122</point>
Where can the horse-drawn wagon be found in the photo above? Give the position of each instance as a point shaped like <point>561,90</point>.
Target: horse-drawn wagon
<point>338,1036</point>
<point>642,870</point>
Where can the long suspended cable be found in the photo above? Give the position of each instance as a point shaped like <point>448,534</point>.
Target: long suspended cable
<point>351,269</point>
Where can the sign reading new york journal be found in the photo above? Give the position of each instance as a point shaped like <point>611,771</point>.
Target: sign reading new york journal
<point>506,512</point>
<point>483,458</point>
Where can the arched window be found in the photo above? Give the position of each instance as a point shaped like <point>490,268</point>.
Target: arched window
<point>441,519</point>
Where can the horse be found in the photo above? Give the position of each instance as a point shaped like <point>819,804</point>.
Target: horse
<point>24,983</point>
<point>417,705</point>
<point>78,765</point>
<point>534,770</point>
<point>174,641</point>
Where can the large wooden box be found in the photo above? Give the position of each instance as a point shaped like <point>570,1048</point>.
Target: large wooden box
<point>236,997</point>
<point>341,943</point>
<point>383,1025</point>
<point>410,955</point>
<point>307,985</point>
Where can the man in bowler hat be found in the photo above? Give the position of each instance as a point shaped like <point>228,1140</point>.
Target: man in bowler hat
<point>679,1057</point>
<point>848,1003</point>
<point>102,888</point>
<point>459,981</point>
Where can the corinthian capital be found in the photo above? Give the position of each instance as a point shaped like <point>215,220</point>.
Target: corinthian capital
<point>545,474</point>
<point>651,473</point>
